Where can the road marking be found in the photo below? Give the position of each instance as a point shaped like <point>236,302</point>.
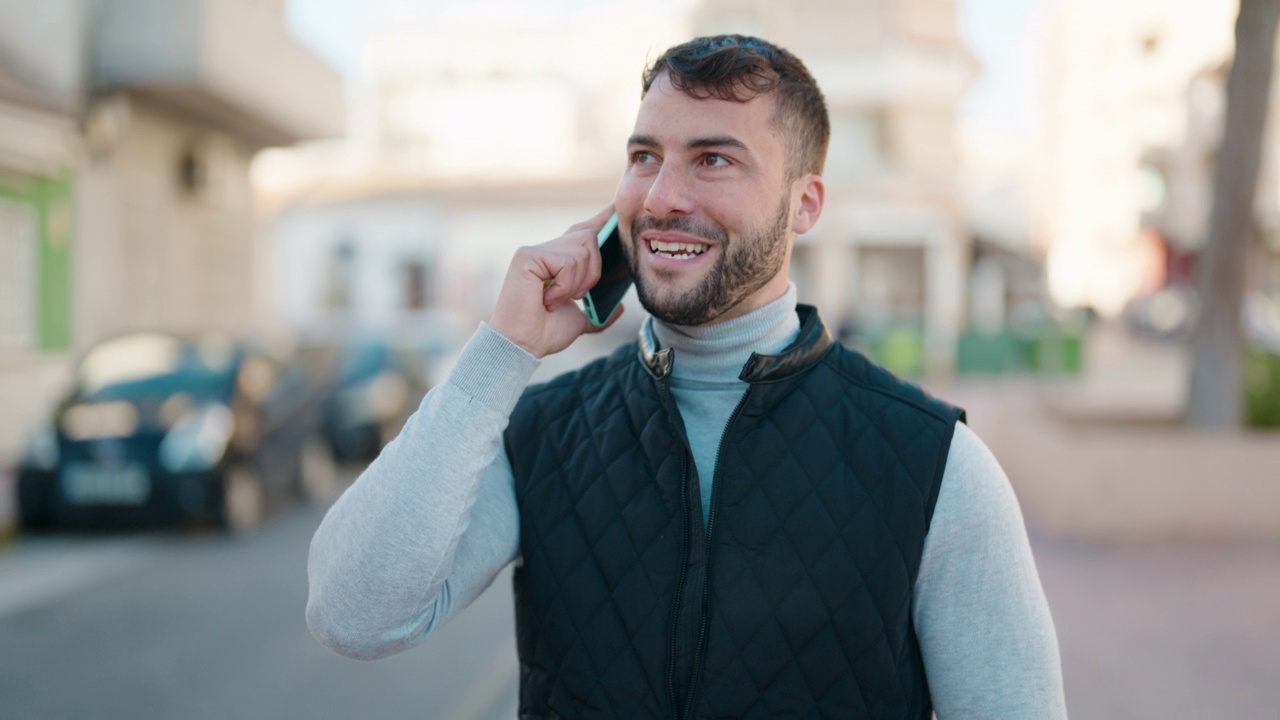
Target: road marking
<point>37,571</point>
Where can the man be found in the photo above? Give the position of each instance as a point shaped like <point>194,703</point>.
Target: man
<point>734,516</point>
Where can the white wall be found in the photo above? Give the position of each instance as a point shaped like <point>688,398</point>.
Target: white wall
<point>383,234</point>
<point>466,244</point>
<point>152,255</point>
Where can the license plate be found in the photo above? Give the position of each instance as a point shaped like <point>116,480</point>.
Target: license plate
<point>89,484</point>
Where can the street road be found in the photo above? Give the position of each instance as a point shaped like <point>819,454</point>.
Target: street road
<point>196,625</point>
<point>187,625</point>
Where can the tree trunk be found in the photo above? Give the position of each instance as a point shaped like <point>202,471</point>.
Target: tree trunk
<point>1215,397</point>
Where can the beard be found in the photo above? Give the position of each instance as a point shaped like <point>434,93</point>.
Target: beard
<point>745,265</point>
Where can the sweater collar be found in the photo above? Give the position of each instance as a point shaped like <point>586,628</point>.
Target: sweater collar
<point>771,342</point>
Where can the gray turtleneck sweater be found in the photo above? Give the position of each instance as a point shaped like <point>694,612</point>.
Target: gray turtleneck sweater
<point>429,524</point>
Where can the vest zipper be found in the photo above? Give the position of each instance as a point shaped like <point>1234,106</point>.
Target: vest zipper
<point>706,586</point>
<point>665,398</point>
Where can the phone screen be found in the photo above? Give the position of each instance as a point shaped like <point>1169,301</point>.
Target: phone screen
<point>615,276</point>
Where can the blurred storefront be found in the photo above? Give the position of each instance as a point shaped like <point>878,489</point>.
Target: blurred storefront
<point>126,132</point>
<point>41,95</point>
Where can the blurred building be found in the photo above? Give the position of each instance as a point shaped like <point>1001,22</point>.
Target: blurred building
<point>1133,102</point>
<point>41,89</point>
<point>463,121</point>
<point>126,132</point>
<point>485,127</point>
<point>891,249</point>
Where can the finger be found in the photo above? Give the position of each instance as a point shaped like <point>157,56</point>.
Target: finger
<point>587,263</point>
<point>594,261</point>
<point>591,272</point>
<point>558,273</point>
<point>573,277</point>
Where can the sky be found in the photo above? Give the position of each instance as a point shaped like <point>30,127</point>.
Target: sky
<point>998,32</point>
<point>334,27</point>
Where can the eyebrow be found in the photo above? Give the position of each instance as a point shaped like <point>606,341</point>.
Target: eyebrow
<point>696,143</point>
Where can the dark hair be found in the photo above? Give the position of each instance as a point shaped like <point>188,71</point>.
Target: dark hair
<point>739,68</point>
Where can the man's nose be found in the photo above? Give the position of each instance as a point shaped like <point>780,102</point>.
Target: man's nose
<point>670,194</point>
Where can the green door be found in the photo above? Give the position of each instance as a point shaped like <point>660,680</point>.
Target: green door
<point>36,231</point>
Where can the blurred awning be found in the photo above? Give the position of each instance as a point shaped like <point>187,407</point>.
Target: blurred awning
<point>231,63</point>
<point>36,135</point>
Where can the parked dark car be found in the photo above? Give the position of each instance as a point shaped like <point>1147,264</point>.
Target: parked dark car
<point>376,387</point>
<point>160,429</point>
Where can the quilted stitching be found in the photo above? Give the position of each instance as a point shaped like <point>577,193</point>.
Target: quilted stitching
<point>598,535</point>
<point>805,492</point>
<point>823,499</point>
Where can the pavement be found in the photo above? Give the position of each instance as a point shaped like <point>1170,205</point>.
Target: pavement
<point>1165,631</point>
<point>1158,546</point>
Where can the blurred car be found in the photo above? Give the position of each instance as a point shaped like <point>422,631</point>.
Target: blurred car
<point>1172,312</point>
<point>159,429</point>
<point>376,387</point>
<point>1168,314</point>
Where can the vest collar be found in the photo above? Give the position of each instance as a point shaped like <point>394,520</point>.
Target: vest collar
<point>813,341</point>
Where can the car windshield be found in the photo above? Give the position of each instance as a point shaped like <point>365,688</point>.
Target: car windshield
<point>156,364</point>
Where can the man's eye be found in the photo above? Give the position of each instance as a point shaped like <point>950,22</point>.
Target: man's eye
<point>714,160</point>
<point>641,157</point>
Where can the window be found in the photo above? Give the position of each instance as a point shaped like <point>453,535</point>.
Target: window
<point>340,279</point>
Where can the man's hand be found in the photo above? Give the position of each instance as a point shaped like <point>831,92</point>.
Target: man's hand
<point>536,308</point>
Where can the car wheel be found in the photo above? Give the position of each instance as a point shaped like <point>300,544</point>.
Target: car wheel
<point>34,511</point>
<point>318,470</point>
<point>243,500</point>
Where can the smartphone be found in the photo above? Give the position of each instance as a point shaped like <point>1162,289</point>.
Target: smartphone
<point>602,300</point>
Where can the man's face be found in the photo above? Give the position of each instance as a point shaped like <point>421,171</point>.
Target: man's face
<point>707,211</point>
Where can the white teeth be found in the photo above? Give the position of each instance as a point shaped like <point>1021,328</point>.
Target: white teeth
<point>678,250</point>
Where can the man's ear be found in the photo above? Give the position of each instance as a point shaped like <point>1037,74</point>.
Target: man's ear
<point>812,193</point>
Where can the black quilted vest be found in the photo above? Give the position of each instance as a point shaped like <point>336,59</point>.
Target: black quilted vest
<point>793,602</point>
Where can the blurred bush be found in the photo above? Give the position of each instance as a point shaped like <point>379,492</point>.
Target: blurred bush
<point>1045,347</point>
<point>985,354</point>
<point>1262,389</point>
<point>901,350</point>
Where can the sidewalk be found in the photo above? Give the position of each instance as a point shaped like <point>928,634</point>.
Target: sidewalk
<point>1158,546</point>
<point>1106,457</point>
<point>1165,631</point>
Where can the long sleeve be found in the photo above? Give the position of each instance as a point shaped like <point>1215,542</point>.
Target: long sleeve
<point>988,640</point>
<point>426,527</point>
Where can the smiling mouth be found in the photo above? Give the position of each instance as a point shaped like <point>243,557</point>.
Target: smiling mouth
<point>676,250</point>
